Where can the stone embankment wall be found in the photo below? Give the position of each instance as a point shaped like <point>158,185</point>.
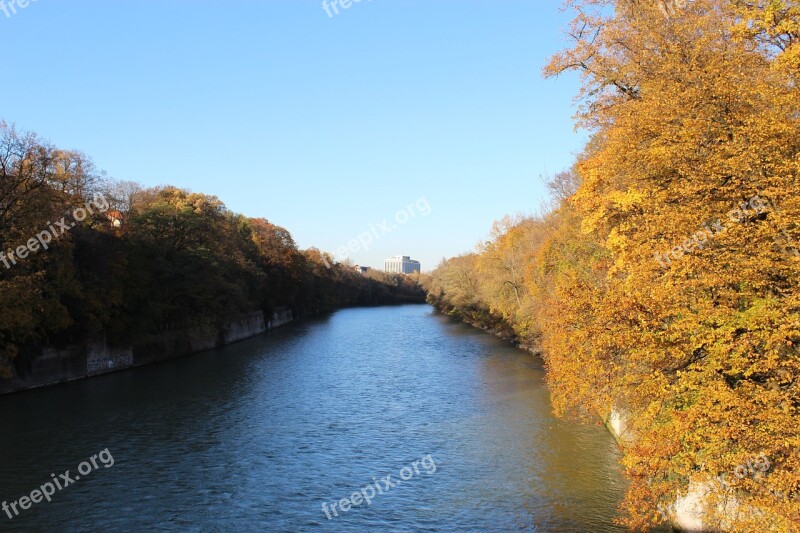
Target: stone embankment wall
<point>95,358</point>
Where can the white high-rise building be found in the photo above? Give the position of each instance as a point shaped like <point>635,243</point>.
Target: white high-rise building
<point>401,264</point>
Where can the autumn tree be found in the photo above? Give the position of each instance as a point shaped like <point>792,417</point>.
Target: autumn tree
<point>502,262</point>
<point>38,185</point>
<point>697,143</point>
<point>664,281</point>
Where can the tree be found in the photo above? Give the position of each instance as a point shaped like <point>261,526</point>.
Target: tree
<point>695,125</point>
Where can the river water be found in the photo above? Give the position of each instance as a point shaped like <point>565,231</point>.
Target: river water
<point>258,435</point>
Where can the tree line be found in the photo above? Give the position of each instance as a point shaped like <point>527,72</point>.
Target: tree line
<point>151,259</point>
<point>663,283</point>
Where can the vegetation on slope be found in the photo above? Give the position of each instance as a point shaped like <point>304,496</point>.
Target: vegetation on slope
<point>144,260</point>
<point>665,282</point>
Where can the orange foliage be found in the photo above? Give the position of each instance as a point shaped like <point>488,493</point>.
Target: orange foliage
<point>695,114</point>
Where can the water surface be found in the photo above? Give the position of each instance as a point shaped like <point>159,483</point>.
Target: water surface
<point>256,436</point>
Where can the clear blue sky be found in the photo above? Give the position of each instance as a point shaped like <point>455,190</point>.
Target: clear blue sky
<point>322,125</point>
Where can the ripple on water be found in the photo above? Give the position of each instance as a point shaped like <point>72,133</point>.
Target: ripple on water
<point>256,436</point>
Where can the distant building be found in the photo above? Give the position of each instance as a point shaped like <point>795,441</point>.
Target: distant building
<point>401,264</point>
<point>361,270</point>
<point>115,218</point>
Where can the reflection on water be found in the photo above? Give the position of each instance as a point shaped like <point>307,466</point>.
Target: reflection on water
<point>257,436</point>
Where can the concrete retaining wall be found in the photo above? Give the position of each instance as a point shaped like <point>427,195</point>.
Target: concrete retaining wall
<point>95,358</point>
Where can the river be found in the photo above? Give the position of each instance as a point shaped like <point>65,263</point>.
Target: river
<point>258,435</point>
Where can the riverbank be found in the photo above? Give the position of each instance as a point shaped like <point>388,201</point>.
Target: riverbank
<point>687,512</point>
<point>168,272</point>
<point>54,366</point>
<point>691,510</point>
